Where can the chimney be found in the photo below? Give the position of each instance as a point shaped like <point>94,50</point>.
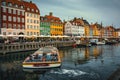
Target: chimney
<point>75,18</point>
<point>50,13</point>
<point>30,1</point>
<point>82,18</point>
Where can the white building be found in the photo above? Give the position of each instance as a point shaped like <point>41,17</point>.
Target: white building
<point>73,29</point>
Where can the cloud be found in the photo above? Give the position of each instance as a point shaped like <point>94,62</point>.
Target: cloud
<point>106,11</point>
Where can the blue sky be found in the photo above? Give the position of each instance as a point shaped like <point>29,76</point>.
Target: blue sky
<point>105,11</point>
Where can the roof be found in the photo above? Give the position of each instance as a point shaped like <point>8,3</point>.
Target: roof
<point>50,18</point>
<point>26,5</point>
<point>31,6</point>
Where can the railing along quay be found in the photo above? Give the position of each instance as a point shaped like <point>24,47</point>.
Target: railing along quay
<point>27,46</point>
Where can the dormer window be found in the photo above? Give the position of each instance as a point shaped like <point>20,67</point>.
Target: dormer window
<point>32,10</point>
<point>3,3</point>
<point>28,9</point>
<point>21,7</point>
<point>36,10</point>
<point>9,4</point>
<point>16,5</point>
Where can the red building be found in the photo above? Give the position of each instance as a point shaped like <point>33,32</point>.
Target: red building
<point>12,17</point>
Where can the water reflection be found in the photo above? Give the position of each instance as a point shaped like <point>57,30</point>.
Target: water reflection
<point>92,63</point>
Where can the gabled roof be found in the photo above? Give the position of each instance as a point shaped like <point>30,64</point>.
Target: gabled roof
<point>51,18</point>
<point>26,5</point>
<point>31,6</point>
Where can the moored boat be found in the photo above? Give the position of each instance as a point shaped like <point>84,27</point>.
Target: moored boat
<point>44,58</point>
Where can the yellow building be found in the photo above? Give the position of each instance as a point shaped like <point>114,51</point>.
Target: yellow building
<point>87,31</point>
<point>56,29</point>
<point>56,25</point>
<point>32,19</point>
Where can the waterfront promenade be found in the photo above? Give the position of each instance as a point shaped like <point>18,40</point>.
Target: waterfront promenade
<point>28,46</point>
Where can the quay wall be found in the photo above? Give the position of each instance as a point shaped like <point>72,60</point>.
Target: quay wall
<point>17,47</point>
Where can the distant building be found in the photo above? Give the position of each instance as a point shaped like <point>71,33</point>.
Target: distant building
<point>118,31</point>
<point>108,32</point>
<point>74,28</point>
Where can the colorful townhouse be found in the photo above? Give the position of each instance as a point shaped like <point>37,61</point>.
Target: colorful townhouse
<point>118,32</point>
<point>32,19</point>
<point>44,26</point>
<point>108,32</point>
<point>87,28</point>
<point>74,28</point>
<point>96,30</point>
<point>52,25</point>
<point>19,17</point>
<point>12,17</point>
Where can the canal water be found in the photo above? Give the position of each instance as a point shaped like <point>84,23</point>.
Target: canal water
<point>91,63</point>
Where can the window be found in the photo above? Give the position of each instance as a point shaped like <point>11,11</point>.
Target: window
<point>34,33</point>
<point>18,12</point>
<point>9,4</point>
<point>3,3</point>
<point>30,15</point>
<point>4,9</point>
<point>31,27</point>
<point>14,11</point>
<point>27,14</point>
<point>36,10</point>
<point>31,21</point>
<point>23,26</point>
<point>4,33</point>
<point>37,22</point>
<point>27,26</point>
<point>9,25</point>
<point>9,11</point>
<point>18,26</point>
<point>18,19</point>
<point>27,20</point>
<point>14,33</point>
<point>16,5</point>
<point>21,7</point>
<point>14,19</point>
<point>32,10</point>
<point>4,17</point>
<point>22,13</point>
<point>9,33</point>
<point>27,33</point>
<point>9,18</point>
<point>14,26</point>
<point>28,9</point>
<point>31,33</point>
<point>4,25</point>
<point>23,20</point>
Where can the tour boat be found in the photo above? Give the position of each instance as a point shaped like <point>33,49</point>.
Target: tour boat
<point>44,58</point>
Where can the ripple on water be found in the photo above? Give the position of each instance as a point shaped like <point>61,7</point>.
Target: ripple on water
<point>69,74</point>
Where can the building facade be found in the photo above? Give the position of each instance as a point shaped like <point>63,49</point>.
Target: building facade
<point>44,26</point>
<point>32,19</point>
<point>12,17</point>
<point>51,25</point>
<point>74,28</point>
